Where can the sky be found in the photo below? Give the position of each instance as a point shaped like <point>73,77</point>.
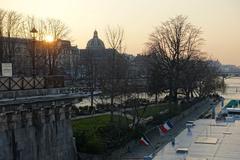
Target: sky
<point>218,19</point>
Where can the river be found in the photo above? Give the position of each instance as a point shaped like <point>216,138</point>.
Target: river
<point>117,100</point>
<point>232,90</point>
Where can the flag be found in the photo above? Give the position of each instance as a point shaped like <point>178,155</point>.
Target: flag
<point>169,124</point>
<point>144,141</point>
<point>164,128</point>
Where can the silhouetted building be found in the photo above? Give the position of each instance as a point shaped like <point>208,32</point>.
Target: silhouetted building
<point>95,54</point>
<point>19,52</point>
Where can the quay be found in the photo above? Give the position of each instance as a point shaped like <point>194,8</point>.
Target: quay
<point>207,140</point>
<point>139,151</point>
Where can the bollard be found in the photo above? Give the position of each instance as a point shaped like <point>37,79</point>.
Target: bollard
<point>213,110</point>
<point>173,141</point>
<point>188,125</point>
<point>149,157</point>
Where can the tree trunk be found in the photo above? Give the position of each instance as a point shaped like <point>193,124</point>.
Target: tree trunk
<point>188,95</point>
<point>170,90</point>
<point>156,97</point>
<point>111,110</point>
<point>92,97</point>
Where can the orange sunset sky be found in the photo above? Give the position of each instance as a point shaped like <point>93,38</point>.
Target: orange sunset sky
<point>219,20</point>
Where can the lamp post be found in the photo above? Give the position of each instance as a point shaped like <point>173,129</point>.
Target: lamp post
<point>33,34</point>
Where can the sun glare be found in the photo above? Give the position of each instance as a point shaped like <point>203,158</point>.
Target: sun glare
<point>49,38</point>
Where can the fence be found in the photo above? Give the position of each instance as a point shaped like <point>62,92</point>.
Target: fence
<point>25,83</point>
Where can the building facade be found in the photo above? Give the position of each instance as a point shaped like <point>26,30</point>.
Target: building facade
<point>30,57</point>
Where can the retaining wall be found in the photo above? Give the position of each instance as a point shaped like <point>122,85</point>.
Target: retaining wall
<point>37,134</point>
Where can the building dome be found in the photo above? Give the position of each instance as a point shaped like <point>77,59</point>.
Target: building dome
<point>95,42</point>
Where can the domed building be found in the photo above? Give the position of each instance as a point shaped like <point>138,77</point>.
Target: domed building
<point>95,64</point>
<point>94,53</point>
<point>95,43</point>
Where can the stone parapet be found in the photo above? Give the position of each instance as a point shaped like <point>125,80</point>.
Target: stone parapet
<point>43,133</point>
<point>32,117</point>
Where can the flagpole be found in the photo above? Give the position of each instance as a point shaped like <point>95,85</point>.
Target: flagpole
<point>169,126</point>
<point>149,142</point>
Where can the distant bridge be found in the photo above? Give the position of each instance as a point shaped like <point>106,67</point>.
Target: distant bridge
<point>230,74</point>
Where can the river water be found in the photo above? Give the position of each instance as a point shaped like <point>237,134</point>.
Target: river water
<point>117,100</point>
<point>232,90</point>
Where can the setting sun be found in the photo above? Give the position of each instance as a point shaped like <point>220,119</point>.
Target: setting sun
<point>49,38</point>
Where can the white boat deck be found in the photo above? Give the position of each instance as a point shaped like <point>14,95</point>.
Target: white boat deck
<point>208,141</point>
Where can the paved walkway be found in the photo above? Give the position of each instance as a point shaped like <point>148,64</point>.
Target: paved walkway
<point>129,116</point>
<point>120,112</point>
<point>158,142</point>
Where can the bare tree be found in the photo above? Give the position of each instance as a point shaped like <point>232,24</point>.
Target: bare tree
<point>207,79</point>
<point>12,23</point>
<point>49,27</point>
<point>56,28</point>
<point>92,74</point>
<point>172,45</point>
<point>114,37</point>
<point>157,82</point>
<point>2,17</point>
<point>28,23</point>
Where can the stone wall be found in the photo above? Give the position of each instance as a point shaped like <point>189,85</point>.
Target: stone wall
<point>37,134</point>
<point>33,92</point>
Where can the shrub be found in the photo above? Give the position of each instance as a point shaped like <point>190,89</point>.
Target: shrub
<point>98,135</point>
<point>88,142</point>
<point>136,102</point>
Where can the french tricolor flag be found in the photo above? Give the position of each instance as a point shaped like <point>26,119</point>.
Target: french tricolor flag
<point>144,141</point>
<point>164,128</point>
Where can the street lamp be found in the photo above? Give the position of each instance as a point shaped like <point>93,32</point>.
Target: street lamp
<point>33,33</point>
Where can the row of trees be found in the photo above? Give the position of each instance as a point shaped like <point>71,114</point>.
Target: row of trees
<point>15,34</point>
<point>14,24</point>
<point>175,65</point>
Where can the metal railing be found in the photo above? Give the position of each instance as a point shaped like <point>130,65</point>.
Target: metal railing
<point>26,83</point>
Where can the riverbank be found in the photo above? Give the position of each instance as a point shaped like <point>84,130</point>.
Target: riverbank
<point>135,151</point>
<point>92,131</point>
<point>132,149</point>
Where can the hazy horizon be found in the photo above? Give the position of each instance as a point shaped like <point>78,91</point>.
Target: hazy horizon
<point>219,20</point>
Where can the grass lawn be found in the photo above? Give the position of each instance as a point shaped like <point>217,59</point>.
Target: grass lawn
<point>94,123</point>
<point>153,110</point>
<point>91,123</point>
<point>98,134</point>
<point>94,134</point>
